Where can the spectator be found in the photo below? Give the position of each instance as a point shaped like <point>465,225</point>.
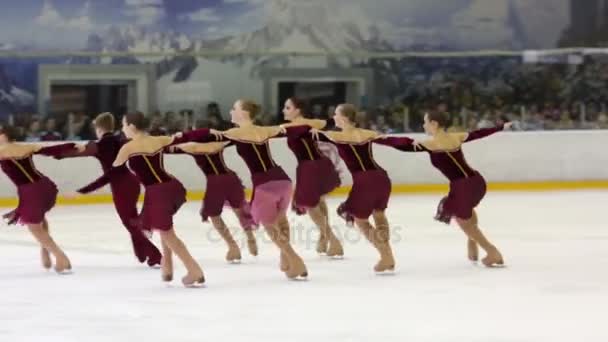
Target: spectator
<point>20,131</point>
<point>266,119</point>
<point>317,111</point>
<point>77,127</point>
<point>471,123</point>
<point>361,120</point>
<point>215,118</point>
<point>486,121</point>
<point>331,110</point>
<point>380,125</point>
<point>400,119</point>
<point>536,122</point>
<point>187,119</point>
<point>51,133</point>
<point>213,109</point>
<point>565,122</point>
<point>156,125</point>
<point>602,121</point>
<point>456,125</point>
<point>215,121</point>
<point>169,122</point>
<point>33,133</point>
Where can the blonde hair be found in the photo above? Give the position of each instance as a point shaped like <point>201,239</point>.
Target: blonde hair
<point>349,111</point>
<point>251,107</point>
<point>105,121</point>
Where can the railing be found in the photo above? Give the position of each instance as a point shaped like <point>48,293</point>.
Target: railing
<point>355,54</point>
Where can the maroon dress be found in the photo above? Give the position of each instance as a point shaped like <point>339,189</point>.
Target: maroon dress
<point>316,175</point>
<point>371,187</point>
<point>467,186</point>
<point>123,183</point>
<point>271,185</point>
<point>37,193</point>
<point>223,187</point>
<point>125,190</point>
<point>164,194</point>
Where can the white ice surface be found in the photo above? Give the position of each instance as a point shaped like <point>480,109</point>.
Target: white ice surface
<point>555,287</point>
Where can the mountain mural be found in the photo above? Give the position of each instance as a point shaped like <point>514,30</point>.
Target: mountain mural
<point>254,34</point>
<point>283,25</point>
<point>13,98</point>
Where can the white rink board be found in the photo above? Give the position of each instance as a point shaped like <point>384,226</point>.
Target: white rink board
<point>503,157</point>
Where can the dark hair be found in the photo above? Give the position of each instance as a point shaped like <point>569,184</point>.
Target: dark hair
<point>9,132</point>
<point>300,104</point>
<point>251,107</point>
<point>349,111</point>
<point>105,121</point>
<point>137,119</point>
<point>441,118</point>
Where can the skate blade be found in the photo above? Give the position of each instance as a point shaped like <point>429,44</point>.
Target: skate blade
<point>234,262</point>
<point>299,278</point>
<point>195,285</point>
<point>335,257</point>
<point>496,266</point>
<point>389,272</point>
<point>64,272</point>
<point>198,283</point>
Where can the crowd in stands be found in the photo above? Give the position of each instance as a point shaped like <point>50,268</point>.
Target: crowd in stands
<point>476,92</point>
<point>391,119</point>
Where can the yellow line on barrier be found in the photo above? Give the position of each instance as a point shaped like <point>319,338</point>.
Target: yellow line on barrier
<point>396,189</point>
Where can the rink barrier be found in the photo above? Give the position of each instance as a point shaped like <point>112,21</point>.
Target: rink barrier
<point>509,161</point>
<point>400,189</point>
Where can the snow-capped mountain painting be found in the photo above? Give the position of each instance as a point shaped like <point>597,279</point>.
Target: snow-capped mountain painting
<point>283,25</point>
<point>12,97</point>
<point>251,28</point>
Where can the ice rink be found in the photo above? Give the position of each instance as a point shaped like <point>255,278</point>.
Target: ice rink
<point>555,287</point>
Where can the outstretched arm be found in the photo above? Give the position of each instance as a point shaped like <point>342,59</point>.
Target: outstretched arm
<point>314,123</point>
<point>296,130</point>
<point>54,150</point>
<point>100,182</point>
<point>197,148</point>
<point>484,132</point>
<point>88,150</point>
<point>202,135</point>
<point>304,127</point>
<point>173,149</point>
<point>401,143</point>
<point>273,132</point>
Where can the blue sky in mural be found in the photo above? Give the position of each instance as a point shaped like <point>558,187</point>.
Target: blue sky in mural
<point>50,24</point>
<point>38,22</point>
